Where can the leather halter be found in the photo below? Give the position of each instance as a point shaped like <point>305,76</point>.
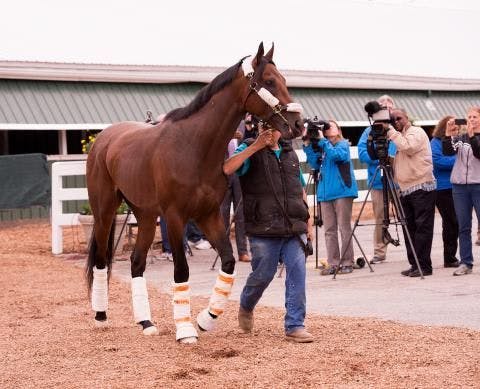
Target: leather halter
<point>265,95</point>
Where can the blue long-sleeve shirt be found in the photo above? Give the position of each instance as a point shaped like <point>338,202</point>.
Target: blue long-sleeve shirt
<point>331,185</point>
<point>442,164</point>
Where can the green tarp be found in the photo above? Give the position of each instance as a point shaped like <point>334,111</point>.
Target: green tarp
<point>24,181</point>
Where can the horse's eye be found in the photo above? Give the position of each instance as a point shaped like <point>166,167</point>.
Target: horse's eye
<point>269,82</point>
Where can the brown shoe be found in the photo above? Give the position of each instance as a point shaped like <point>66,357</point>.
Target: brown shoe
<point>244,258</point>
<point>245,320</point>
<point>300,335</point>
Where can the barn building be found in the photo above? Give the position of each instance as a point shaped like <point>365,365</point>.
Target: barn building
<point>48,108</point>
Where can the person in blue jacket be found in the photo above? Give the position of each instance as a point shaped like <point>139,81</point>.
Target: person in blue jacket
<point>337,187</point>
<point>442,169</point>
<point>376,193</point>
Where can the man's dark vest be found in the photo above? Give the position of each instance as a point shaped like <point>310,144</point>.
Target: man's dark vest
<point>270,185</point>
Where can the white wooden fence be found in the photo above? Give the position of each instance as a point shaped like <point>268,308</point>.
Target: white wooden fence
<point>78,168</point>
<point>60,194</point>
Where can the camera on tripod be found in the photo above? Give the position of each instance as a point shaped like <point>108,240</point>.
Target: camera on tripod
<point>314,126</point>
<point>379,117</point>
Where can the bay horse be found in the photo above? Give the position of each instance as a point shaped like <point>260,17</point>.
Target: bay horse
<point>174,169</point>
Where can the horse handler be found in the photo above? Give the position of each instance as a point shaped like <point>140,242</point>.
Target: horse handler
<point>277,224</point>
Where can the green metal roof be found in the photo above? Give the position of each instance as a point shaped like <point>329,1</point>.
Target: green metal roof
<point>61,102</point>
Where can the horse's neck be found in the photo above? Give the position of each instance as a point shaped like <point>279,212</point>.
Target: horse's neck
<point>219,120</point>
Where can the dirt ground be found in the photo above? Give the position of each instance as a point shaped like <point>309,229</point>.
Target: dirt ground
<point>47,339</point>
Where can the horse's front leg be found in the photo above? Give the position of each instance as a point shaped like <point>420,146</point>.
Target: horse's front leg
<point>141,305</point>
<point>185,331</point>
<point>214,228</point>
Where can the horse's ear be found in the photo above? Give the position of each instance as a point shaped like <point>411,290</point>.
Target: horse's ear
<point>269,55</point>
<point>259,55</point>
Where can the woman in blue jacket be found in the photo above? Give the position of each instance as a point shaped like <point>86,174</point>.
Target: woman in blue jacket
<point>336,190</point>
<point>442,168</point>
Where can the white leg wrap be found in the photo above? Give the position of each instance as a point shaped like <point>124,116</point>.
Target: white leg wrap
<point>181,313</point>
<point>141,306</point>
<point>218,300</point>
<point>100,290</point>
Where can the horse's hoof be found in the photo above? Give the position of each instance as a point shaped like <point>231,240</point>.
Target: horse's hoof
<point>187,333</point>
<point>149,331</point>
<point>100,323</point>
<point>189,340</point>
<point>205,321</point>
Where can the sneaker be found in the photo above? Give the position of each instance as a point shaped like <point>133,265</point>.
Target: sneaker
<point>407,272</point>
<point>345,270</point>
<point>203,244</point>
<point>166,255</point>
<point>416,273</point>
<point>244,258</point>
<point>300,335</point>
<point>245,320</point>
<point>452,264</point>
<point>462,270</point>
<point>328,271</point>
<point>377,260</point>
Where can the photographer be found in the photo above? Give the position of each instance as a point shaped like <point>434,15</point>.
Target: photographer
<point>328,152</point>
<point>465,181</point>
<point>413,171</point>
<point>379,246</point>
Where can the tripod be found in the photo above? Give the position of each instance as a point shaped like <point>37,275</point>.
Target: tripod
<point>317,211</point>
<point>389,192</point>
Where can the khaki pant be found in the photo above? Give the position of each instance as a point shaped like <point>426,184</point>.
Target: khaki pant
<point>379,247</point>
<point>337,215</point>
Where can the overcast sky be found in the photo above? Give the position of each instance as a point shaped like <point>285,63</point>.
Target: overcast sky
<point>413,37</point>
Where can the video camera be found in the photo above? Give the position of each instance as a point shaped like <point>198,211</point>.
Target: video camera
<point>377,143</point>
<point>314,126</point>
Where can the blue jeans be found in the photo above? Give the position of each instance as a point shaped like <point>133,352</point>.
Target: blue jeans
<point>465,198</point>
<point>266,253</point>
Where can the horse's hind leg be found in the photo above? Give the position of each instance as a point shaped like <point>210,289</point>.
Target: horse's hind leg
<point>141,305</point>
<point>215,231</point>
<point>100,255</point>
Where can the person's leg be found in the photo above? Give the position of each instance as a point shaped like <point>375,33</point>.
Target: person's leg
<point>424,208</point>
<point>295,300</point>
<point>408,209</point>
<point>192,232</point>
<point>379,247</point>
<point>265,256</point>
<point>463,208</point>
<point>343,210</point>
<point>163,230</point>
<point>331,232</point>
<point>476,205</point>
<point>446,208</point>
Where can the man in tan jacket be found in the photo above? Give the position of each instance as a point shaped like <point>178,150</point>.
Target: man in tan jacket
<point>413,171</point>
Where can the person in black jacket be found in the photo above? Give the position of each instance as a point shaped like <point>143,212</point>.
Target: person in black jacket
<point>277,224</point>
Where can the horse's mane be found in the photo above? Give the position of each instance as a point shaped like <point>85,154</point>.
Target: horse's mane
<point>205,94</point>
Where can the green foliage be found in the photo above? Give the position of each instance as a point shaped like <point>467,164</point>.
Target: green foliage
<point>86,210</point>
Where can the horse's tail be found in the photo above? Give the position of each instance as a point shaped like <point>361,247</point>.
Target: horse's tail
<point>92,253</point>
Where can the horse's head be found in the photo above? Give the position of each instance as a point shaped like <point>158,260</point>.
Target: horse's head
<point>267,96</point>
